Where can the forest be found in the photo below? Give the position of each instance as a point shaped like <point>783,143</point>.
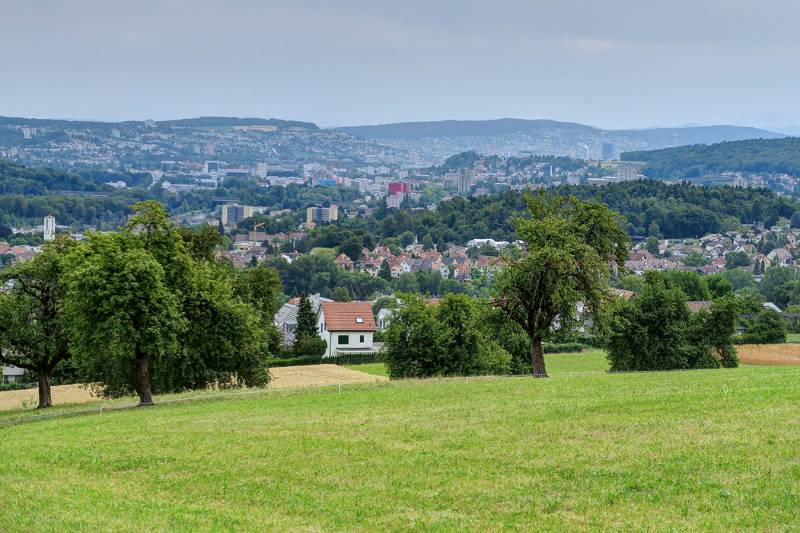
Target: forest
<point>755,155</point>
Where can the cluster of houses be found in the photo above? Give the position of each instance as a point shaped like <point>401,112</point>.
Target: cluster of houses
<point>715,248</point>
<point>453,263</point>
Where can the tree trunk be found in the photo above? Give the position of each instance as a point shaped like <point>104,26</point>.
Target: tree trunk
<point>45,399</point>
<point>537,357</point>
<point>143,381</point>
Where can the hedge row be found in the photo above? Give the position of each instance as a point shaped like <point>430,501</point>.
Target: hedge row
<point>564,347</point>
<point>344,359</point>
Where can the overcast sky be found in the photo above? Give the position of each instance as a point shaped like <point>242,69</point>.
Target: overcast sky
<point>610,63</point>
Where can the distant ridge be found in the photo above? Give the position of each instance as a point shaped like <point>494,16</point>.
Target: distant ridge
<point>504,126</point>
<point>198,122</point>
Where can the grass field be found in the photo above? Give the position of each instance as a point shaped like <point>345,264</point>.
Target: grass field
<point>589,361</point>
<point>793,337</point>
<point>697,450</point>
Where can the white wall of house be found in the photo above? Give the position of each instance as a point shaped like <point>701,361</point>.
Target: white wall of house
<point>361,340</point>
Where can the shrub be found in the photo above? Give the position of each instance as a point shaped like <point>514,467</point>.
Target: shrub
<point>655,330</point>
<point>309,346</point>
<point>768,327</point>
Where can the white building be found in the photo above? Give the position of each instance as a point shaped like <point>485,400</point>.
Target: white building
<point>49,231</point>
<point>346,327</point>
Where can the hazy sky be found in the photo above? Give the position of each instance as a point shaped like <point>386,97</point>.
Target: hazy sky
<point>610,63</point>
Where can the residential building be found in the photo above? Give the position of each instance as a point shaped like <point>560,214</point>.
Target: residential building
<point>321,214</point>
<point>286,317</point>
<point>232,214</point>
<point>347,327</point>
<point>49,231</point>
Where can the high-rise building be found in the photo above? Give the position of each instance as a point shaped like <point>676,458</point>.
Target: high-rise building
<point>609,151</point>
<point>49,231</point>
<point>321,214</point>
<point>627,172</point>
<point>464,182</point>
<point>212,167</point>
<point>399,186</point>
<point>231,214</point>
<point>261,170</point>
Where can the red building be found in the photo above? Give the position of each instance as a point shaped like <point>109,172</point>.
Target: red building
<point>397,187</point>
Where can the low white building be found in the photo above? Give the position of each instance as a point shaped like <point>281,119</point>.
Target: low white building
<point>346,327</point>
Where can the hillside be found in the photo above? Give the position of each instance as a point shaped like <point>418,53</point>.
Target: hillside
<point>438,140</point>
<point>694,450</point>
<point>678,211</point>
<point>199,122</point>
<point>757,155</point>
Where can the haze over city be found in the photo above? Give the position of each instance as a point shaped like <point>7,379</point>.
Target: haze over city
<point>613,64</point>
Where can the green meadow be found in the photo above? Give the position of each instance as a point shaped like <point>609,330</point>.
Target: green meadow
<point>582,450</point>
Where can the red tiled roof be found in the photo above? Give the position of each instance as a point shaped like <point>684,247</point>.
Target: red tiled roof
<point>344,316</point>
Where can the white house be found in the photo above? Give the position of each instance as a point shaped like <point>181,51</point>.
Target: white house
<point>346,327</point>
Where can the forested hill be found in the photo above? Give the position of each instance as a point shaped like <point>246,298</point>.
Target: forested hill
<point>504,126</point>
<point>756,155</point>
<point>647,207</point>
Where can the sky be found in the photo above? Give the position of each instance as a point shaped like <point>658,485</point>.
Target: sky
<point>610,63</point>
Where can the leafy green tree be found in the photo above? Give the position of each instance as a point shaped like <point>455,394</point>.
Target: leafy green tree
<point>427,242</point>
<point>740,279</point>
<point>736,260</point>
<point>654,330</point>
<point>651,245</point>
<point>715,328</point>
<point>415,341</point>
<point>385,271</point>
<point>569,245</point>
<point>407,238</point>
<point>33,330</point>
<point>695,259</point>
<point>122,315</point>
<point>775,284</point>
<point>719,285</point>
<point>352,248</point>
<point>768,327</point>
<point>201,242</point>
<point>691,283</point>
<point>342,294</point>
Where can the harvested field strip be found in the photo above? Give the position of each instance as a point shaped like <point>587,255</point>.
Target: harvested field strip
<point>769,354</point>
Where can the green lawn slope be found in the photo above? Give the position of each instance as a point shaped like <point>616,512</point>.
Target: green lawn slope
<point>698,450</point>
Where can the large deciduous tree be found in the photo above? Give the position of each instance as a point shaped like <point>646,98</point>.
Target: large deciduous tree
<point>33,333</point>
<point>569,247</point>
<point>123,317</point>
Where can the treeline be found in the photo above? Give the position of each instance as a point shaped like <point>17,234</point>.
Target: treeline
<point>645,208</point>
<point>755,155</point>
<point>318,273</point>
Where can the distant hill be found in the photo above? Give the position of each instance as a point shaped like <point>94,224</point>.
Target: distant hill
<point>222,122</point>
<point>487,128</point>
<point>199,122</point>
<point>461,128</point>
<point>755,155</point>
<point>438,140</point>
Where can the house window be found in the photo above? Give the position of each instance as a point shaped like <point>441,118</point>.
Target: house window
<point>361,339</point>
<point>343,339</point>
<point>359,320</point>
